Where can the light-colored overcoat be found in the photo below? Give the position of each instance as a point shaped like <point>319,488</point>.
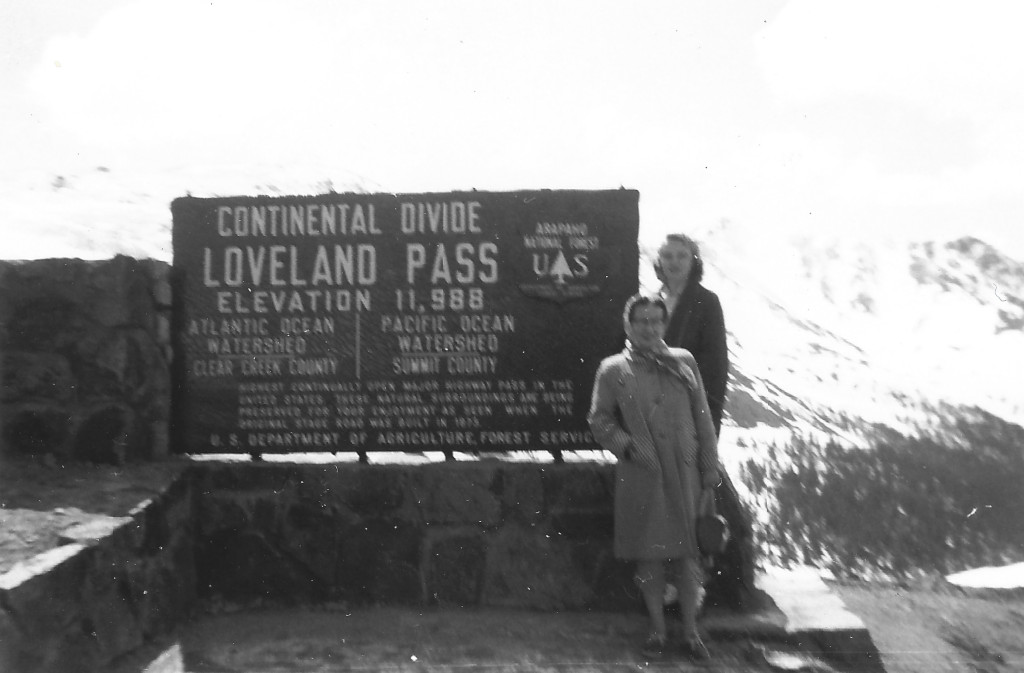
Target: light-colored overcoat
<point>664,427</point>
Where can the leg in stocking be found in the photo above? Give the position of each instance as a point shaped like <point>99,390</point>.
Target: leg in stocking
<point>689,586</point>
<point>651,577</point>
<point>689,590</point>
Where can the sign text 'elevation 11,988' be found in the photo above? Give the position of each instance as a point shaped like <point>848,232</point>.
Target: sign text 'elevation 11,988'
<point>465,321</point>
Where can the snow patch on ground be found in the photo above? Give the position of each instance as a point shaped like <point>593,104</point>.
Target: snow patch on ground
<point>990,577</point>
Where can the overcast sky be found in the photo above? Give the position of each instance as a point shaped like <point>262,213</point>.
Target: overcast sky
<point>874,117</point>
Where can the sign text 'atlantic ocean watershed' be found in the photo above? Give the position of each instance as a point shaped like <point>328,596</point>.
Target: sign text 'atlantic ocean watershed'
<point>427,322</point>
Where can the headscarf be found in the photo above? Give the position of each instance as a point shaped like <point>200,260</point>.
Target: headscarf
<point>658,358</point>
<point>661,360</point>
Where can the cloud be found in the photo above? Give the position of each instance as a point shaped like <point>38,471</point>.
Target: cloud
<point>161,71</point>
<point>392,87</point>
<point>823,115</point>
<point>952,57</point>
<point>904,111</point>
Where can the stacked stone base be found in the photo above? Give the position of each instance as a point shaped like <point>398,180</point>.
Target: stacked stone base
<point>534,536</point>
<point>482,533</point>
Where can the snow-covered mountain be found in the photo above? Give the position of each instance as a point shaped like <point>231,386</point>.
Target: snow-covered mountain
<point>911,350</point>
<point>835,336</point>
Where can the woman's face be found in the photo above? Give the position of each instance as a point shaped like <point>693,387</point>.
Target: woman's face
<point>676,259</point>
<point>647,327</point>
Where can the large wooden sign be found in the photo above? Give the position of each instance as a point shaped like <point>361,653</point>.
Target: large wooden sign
<point>466,321</point>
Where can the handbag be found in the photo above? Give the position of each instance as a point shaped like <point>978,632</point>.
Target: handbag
<point>712,529</point>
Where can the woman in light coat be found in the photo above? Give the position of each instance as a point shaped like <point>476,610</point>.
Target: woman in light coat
<point>650,410</point>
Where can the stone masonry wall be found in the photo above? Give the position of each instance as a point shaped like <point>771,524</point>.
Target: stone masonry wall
<point>525,535</point>
<point>84,359</point>
<point>84,355</point>
<point>112,586</point>
<point>482,533</point>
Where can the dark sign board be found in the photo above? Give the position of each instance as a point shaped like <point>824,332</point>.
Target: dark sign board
<point>464,321</point>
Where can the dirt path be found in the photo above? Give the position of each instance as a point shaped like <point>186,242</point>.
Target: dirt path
<point>302,640</point>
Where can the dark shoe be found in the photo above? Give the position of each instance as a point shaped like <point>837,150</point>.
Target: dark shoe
<point>694,648</point>
<point>654,648</point>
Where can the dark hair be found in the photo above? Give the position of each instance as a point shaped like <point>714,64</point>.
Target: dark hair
<point>638,300</point>
<point>697,271</point>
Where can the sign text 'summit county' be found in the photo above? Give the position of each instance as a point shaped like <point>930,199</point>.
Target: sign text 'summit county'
<point>354,322</point>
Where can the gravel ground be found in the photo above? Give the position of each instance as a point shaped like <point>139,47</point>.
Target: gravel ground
<point>406,639</point>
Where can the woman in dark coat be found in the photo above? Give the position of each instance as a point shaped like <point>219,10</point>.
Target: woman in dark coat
<point>649,409</point>
<point>696,323</point>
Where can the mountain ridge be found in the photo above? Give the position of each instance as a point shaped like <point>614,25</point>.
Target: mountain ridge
<point>836,337</point>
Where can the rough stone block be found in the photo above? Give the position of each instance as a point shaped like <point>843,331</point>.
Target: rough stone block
<point>139,288</point>
<point>117,354</point>
<point>373,491</point>
<point>40,321</point>
<point>120,288</point>
<point>577,487</point>
<point>330,483</point>
<point>610,579</point>
<point>268,513</point>
<point>453,566</point>
<point>311,536</point>
<point>454,496</point>
<point>74,650</point>
<point>107,606</point>
<point>15,652</point>
<point>180,492</point>
<point>521,492</point>
<point>157,530</point>
<point>219,512</point>
<point>130,537</point>
<point>146,374</point>
<point>253,477</point>
<point>162,334</point>
<point>161,590</point>
<point>160,284</point>
<point>104,435</point>
<point>380,562</point>
<point>159,439</point>
<point>596,524</point>
<point>183,557</point>
<point>242,565</point>
<point>37,376</point>
<point>526,568</point>
<point>44,595</point>
<point>37,430</point>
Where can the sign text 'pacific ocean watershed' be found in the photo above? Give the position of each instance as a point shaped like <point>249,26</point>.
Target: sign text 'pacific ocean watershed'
<point>467,321</point>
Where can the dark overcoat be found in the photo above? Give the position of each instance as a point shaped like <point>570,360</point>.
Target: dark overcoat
<point>698,325</point>
<point>654,415</point>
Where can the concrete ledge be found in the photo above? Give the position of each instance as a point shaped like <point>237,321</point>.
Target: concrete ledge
<point>114,584</point>
<point>816,620</point>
